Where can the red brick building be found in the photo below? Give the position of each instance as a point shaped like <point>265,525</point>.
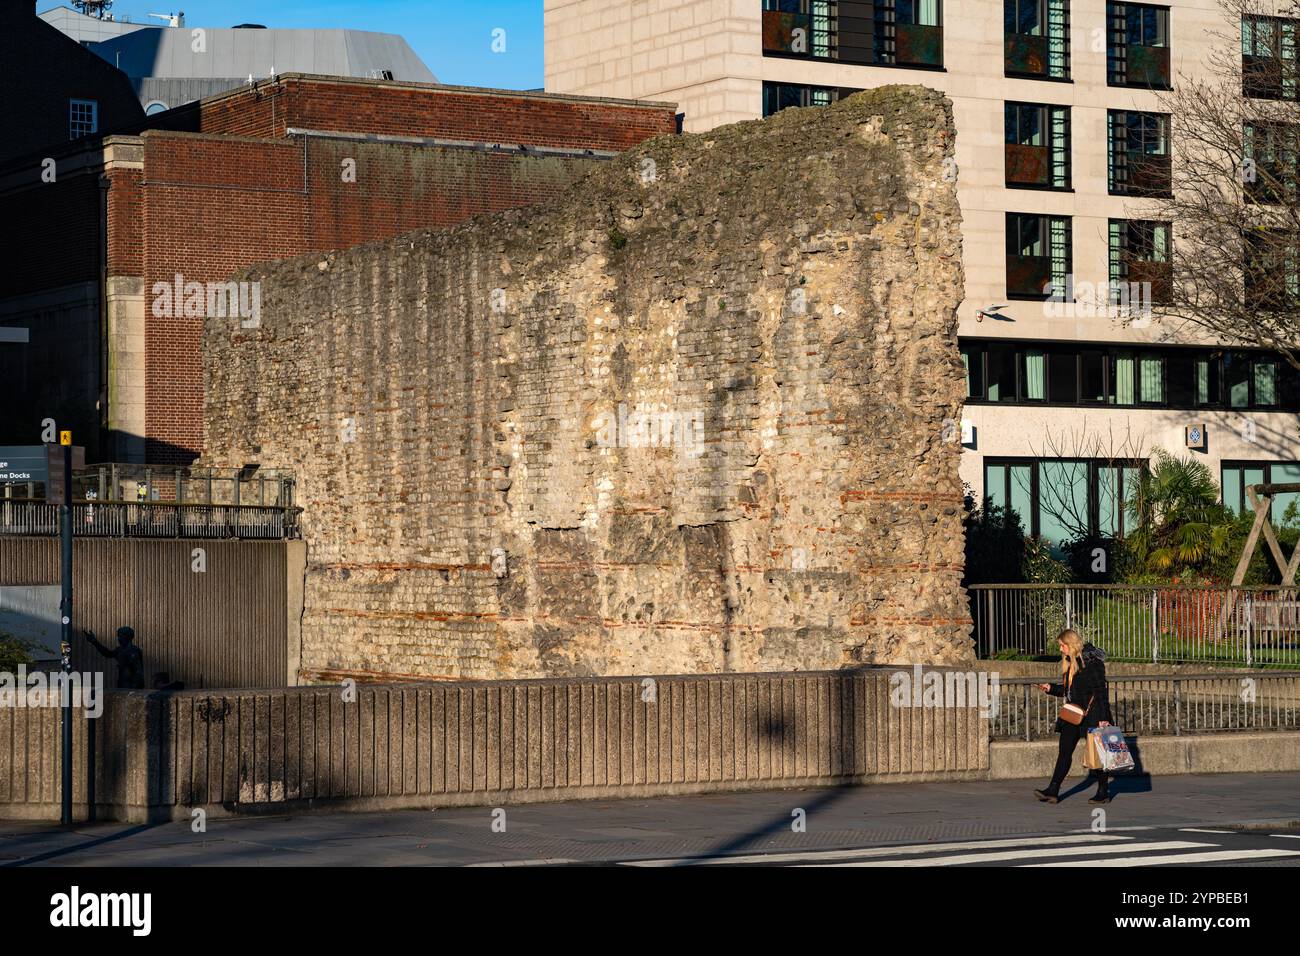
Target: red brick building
<point>281,168</point>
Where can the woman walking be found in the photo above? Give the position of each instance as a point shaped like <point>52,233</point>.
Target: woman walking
<point>1086,704</point>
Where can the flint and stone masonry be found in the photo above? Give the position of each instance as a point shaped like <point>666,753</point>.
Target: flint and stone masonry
<point>696,415</point>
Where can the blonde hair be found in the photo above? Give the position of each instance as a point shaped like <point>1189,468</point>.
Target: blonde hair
<point>1070,659</point>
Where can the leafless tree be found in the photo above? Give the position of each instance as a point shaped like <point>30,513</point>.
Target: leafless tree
<point>1235,138</point>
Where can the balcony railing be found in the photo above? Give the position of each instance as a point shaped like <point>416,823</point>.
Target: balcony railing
<point>1026,55</point>
<point>151,519</point>
<point>1141,174</point>
<point>1160,275</point>
<point>1268,77</point>
<point>789,34</point>
<point>917,45</point>
<point>1147,66</point>
<point>1027,165</point>
<point>1029,275</point>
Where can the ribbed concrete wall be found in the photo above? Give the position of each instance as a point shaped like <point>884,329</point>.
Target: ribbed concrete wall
<point>228,626</point>
<point>459,744</point>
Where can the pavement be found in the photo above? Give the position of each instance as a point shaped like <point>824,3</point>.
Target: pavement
<point>1217,819</point>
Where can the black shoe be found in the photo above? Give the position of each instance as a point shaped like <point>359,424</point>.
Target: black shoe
<point>1047,796</point>
<point>1100,798</point>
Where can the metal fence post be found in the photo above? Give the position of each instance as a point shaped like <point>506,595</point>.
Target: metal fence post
<point>1178,707</point>
<point>1026,713</point>
<point>1069,608</point>
<point>1155,626</point>
<point>1250,630</point>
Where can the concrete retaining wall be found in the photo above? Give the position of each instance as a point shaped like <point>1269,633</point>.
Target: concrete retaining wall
<point>1272,752</point>
<point>463,744</point>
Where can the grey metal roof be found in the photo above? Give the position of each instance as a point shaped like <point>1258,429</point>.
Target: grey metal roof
<point>169,52</point>
<point>87,29</point>
<point>165,68</point>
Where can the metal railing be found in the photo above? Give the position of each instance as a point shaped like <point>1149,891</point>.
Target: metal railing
<point>1175,624</point>
<point>152,519</point>
<point>1173,705</point>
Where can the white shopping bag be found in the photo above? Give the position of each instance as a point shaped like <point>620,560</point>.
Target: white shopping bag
<point>1112,749</point>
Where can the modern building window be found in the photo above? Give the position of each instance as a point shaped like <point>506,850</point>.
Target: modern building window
<point>1137,47</point>
<point>1036,37</point>
<point>1038,255</point>
<point>1064,499</point>
<point>1138,160</point>
<point>1140,251</point>
<point>908,33</point>
<point>1268,57</point>
<point>880,32</point>
<point>1237,476</point>
<point>1270,171</point>
<point>801,28</point>
<point>1272,271</point>
<point>1037,150</point>
<point>1068,375</point>
<point>83,118</point>
<point>154,107</point>
<point>779,96</point>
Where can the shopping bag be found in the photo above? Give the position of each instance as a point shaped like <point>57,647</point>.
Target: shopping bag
<point>1112,749</point>
<point>1092,751</point>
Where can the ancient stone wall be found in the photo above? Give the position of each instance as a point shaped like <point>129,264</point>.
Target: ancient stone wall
<point>696,415</point>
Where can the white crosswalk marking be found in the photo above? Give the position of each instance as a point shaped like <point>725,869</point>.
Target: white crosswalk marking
<point>1213,856</point>
<point>814,856</point>
<point>1041,851</point>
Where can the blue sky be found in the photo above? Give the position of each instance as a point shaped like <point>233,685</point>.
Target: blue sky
<point>453,38</point>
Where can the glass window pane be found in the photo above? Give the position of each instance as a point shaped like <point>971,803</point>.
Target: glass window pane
<point>995,485</point>
<point>1284,474</point>
<point>1232,488</point>
<point>1265,382</point>
<point>1062,501</point>
<point>1151,372</point>
<point>1035,380</point>
<point>1022,494</point>
<point>1094,379</point>
<point>1063,378</point>
<point>1124,367</point>
<point>1002,373</point>
<point>1236,374</point>
<point>1108,512</point>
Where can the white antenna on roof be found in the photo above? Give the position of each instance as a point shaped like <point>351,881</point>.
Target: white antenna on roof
<point>173,19</point>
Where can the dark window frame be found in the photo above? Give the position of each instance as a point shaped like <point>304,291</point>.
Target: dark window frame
<point>1093,506</point>
<point>1053,119</point>
<point>1119,43</point>
<point>1286,380</point>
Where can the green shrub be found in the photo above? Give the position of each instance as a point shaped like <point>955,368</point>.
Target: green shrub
<point>13,652</point>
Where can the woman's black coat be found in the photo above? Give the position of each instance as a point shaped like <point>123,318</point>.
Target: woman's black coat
<point>1089,686</point>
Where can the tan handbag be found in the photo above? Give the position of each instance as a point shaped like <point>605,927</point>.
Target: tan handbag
<point>1073,714</point>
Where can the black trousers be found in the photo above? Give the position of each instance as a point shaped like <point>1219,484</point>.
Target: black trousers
<point>1070,736</point>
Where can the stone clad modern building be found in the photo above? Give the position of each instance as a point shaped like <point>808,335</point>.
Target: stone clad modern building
<point>1060,139</point>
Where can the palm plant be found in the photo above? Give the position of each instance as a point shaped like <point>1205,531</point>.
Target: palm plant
<point>1180,526</point>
